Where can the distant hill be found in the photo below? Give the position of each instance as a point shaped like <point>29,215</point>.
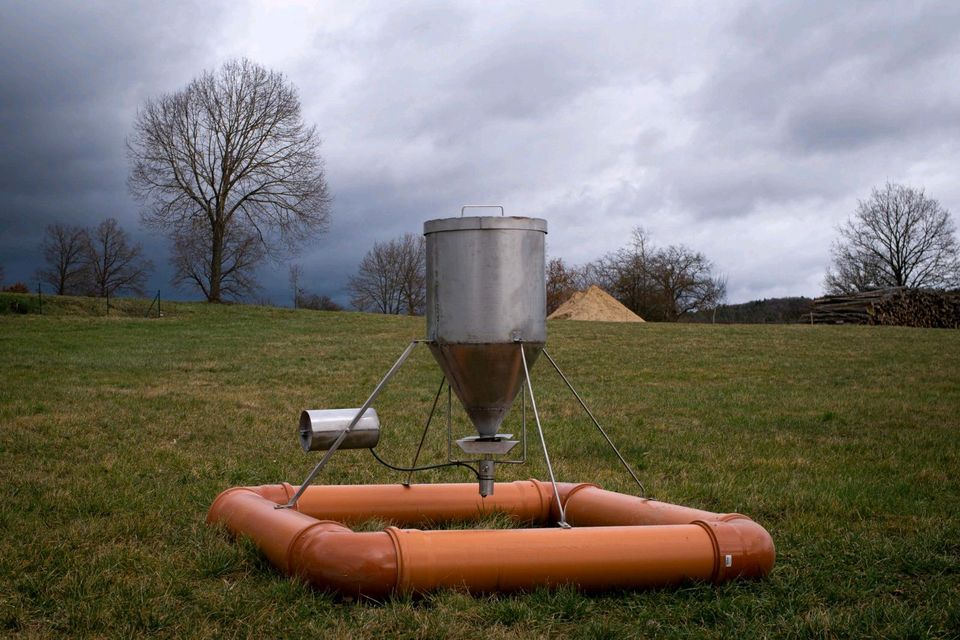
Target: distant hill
<point>766,311</point>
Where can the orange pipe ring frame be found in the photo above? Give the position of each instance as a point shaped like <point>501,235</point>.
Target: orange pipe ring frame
<point>616,541</point>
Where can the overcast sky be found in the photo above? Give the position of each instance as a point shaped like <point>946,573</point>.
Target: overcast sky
<point>747,131</point>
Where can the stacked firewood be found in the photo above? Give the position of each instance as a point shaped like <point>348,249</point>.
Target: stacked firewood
<point>900,306</point>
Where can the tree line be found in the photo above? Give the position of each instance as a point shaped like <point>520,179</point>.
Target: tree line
<point>658,283</point>
<point>229,172</point>
<point>898,237</point>
<point>95,261</point>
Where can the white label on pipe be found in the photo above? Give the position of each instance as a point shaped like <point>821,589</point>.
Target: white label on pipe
<point>728,560</point>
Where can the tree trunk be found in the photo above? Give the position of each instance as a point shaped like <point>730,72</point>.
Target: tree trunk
<point>216,264</point>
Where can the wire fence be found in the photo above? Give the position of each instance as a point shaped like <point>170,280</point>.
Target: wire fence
<point>21,301</point>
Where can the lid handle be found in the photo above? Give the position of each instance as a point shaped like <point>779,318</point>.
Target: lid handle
<point>481,206</point>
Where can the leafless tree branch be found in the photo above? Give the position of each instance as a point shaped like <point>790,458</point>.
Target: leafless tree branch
<point>229,155</point>
<point>898,237</point>
<point>657,283</point>
<point>392,277</point>
<point>115,264</point>
<point>65,253</point>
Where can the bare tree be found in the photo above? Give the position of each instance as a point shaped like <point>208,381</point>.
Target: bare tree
<point>229,155</point>
<point>392,277</point>
<point>626,275</point>
<point>561,283</point>
<point>657,283</point>
<point>413,272</point>
<point>240,252</point>
<point>684,282</point>
<point>375,287</point>
<point>295,275</point>
<point>65,254</point>
<point>898,237</point>
<point>115,264</point>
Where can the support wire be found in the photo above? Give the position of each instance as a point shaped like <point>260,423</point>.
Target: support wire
<point>623,461</point>
<point>426,428</point>
<point>546,455</point>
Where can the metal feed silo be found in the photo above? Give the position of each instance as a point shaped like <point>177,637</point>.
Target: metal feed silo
<point>485,293</point>
<point>486,326</point>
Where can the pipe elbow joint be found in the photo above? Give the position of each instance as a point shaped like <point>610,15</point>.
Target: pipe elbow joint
<point>742,548</point>
<point>332,557</point>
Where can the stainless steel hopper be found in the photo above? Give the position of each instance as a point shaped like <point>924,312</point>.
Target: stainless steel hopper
<point>485,294</point>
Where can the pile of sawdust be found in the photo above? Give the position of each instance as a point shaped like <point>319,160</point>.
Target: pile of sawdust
<point>594,304</point>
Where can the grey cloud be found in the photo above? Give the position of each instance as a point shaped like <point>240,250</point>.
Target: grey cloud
<point>731,128</point>
<point>73,76</point>
<point>816,100</point>
<point>858,70</point>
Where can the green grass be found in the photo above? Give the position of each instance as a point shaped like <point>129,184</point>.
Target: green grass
<point>117,432</point>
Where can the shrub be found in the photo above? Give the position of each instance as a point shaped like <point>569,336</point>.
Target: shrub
<point>18,303</point>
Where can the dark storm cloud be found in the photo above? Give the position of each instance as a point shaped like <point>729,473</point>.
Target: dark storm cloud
<point>810,94</point>
<point>746,131</point>
<point>72,78</point>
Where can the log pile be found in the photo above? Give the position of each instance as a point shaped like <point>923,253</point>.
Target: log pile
<point>904,307</point>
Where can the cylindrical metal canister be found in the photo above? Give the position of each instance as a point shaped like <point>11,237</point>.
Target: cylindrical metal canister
<point>319,428</point>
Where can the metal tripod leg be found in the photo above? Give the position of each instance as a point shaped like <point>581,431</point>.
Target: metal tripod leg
<point>623,461</point>
<point>546,455</point>
<point>426,428</point>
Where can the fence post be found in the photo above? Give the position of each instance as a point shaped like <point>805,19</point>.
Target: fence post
<point>40,296</point>
<point>158,303</point>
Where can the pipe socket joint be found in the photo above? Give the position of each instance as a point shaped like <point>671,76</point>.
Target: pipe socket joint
<point>320,428</point>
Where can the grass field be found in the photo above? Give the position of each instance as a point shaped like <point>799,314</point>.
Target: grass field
<point>117,432</point>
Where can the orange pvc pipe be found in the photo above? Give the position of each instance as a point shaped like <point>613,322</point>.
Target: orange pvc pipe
<point>421,504</point>
<point>618,541</point>
<point>517,559</point>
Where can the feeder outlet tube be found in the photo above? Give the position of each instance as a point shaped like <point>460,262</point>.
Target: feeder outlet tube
<point>486,477</point>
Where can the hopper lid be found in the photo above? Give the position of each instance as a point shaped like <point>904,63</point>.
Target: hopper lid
<point>484,222</point>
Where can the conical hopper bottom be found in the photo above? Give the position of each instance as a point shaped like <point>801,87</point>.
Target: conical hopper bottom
<point>485,377</point>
